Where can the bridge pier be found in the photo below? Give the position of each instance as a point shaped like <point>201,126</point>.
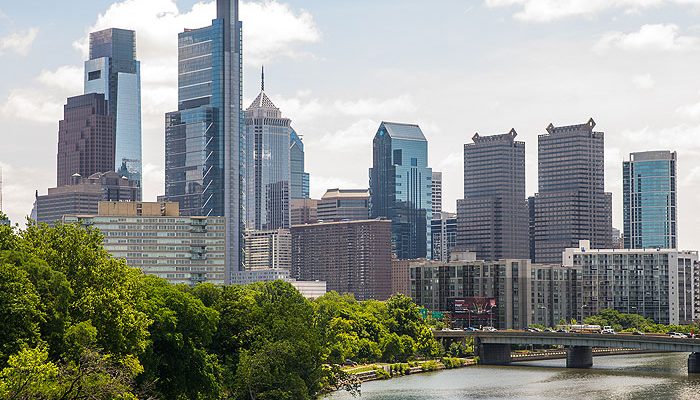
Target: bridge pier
<point>582,357</point>
<point>694,363</point>
<point>494,354</point>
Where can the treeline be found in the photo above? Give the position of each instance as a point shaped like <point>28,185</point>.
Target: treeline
<point>622,322</point>
<point>77,324</point>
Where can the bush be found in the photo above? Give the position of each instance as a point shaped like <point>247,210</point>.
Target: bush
<point>381,373</point>
<point>452,362</point>
<point>431,365</point>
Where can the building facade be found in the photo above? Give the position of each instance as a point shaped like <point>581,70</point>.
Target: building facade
<point>204,138</point>
<point>571,204</point>
<point>156,239</point>
<point>649,200</point>
<point>300,178</point>
<point>83,195</point>
<point>86,141</point>
<point>114,71</point>
<point>437,193</point>
<point>401,187</point>
<point>303,211</point>
<point>443,230</point>
<point>493,217</point>
<point>268,182</point>
<point>344,205</point>
<point>268,249</point>
<point>654,283</point>
<point>351,256</point>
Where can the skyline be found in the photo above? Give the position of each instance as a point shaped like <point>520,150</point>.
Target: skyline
<point>338,105</point>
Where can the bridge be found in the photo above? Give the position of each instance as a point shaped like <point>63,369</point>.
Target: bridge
<point>494,348</point>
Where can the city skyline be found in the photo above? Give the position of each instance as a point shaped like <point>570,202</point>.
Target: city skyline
<point>611,34</point>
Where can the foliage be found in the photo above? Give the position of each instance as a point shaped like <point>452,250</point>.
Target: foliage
<point>381,373</point>
<point>19,311</point>
<point>430,365</point>
<point>452,362</point>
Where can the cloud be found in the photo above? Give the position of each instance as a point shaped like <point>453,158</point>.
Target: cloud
<point>67,77</point>
<point>644,82</point>
<point>18,188</point>
<point>654,37</point>
<point>551,10</point>
<point>33,105</point>
<point>18,42</point>
<point>691,111</point>
<point>373,106</point>
<point>350,139</point>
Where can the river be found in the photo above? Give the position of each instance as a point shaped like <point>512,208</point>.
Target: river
<point>628,377</point>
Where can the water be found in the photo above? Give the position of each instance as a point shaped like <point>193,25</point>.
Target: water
<point>629,377</point>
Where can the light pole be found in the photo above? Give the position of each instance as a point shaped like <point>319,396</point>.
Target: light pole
<point>582,307</point>
<point>543,307</point>
<point>491,315</point>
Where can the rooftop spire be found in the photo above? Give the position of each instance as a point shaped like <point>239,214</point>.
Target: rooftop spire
<point>262,80</point>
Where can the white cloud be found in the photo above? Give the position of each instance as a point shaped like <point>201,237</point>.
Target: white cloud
<point>352,138</point>
<point>655,37</point>
<point>18,187</point>
<point>550,10</point>
<point>67,77</point>
<point>372,106</point>
<point>691,111</point>
<point>19,42</point>
<point>644,81</point>
<point>33,105</point>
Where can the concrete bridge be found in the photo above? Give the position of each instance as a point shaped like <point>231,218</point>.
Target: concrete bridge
<point>494,348</point>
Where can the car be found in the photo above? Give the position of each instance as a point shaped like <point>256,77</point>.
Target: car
<point>533,329</point>
<point>471,329</point>
<point>677,335</point>
<point>549,330</point>
<point>639,333</point>
<point>608,330</point>
<point>489,329</point>
<point>562,330</point>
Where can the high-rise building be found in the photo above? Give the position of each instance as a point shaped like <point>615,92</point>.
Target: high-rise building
<point>443,230</point>
<point>300,178</point>
<point>531,225</point>
<point>268,182</point>
<point>493,216</point>
<point>156,239</point>
<point>83,195</point>
<point>649,200</point>
<point>571,204</point>
<point>351,256</point>
<point>344,205</point>
<point>113,70</point>
<point>437,193</point>
<point>204,139</point>
<point>401,187</point>
<point>268,249</point>
<point>85,138</point>
<point>303,211</point>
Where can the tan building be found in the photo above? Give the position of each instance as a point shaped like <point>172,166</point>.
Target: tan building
<point>344,205</point>
<point>268,249</point>
<point>351,256</point>
<point>303,211</point>
<point>400,276</point>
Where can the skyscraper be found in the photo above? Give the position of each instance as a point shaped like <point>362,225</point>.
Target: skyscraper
<point>114,71</point>
<point>344,205</point>
<point>85,138</point>
<point>649,200</point>
<point>300,178</point>
<point>493,217</point>
<point>401,187</point>
<point>437,193</point>
<point>268,182</point>
<point>572,204</point>
<point>204,139</point>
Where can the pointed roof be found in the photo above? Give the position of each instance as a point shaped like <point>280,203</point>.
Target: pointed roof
<point>262,101</point>
<point>403,131</point>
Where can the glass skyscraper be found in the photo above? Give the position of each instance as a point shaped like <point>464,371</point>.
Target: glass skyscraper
<point>204,138</point>
<point>401,187</point>
<point>649,207</point>
<point>114,71</point>
<point>300,178</point>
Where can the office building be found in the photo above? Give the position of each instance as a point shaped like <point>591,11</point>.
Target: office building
<point>268,249</point>
<point>571,204</point>
<point>303,211</point>
<point>649,200</point>
<point>443,230</point>
<point>85,138</point>
<point>531,225</point>
<point>401,276</point>
<point>401,187</point>
<point>344,205</point>
<point>156,239</point>
<point>300,178</point>
<point>437,193</point>
<point>655,283</point>
<point>114,71</point>
<point>617,239</point>
<point>493,216</point>
<point>204,138</point>
<point>83,195</point>
<point>351,256</point>
<point>268,135</point>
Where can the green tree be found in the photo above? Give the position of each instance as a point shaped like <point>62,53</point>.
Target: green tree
<point>20,312</point>
<point>404,316</point>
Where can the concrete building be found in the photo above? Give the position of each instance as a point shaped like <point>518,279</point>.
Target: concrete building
<point>303,211</point>
<point>493,216</point>
<point>571,204</point>
<point>400,276</point>
<point>437,193</point>
<point>344,205</point>
<point>443,230</point>
<point>655,283</point>
<point>156,239</point>
<point>268,249</point>
<point>351,256</point>
<point>401,187</point>
<point>649,200</point>
<point>83,195</point>
<point>205,138</point>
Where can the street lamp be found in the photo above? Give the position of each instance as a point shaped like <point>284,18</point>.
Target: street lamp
<point>491,314</point>
<point>543,307</point>
<point>582,307</point>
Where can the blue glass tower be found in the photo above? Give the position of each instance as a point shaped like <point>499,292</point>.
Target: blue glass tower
<point>300,178</point>
<point>401,187</point>
<point>114,71</point>
<point>649,208</point>
<point>204,138</point>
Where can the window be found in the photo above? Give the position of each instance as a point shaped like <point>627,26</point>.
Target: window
<point>92,75</point>
<point>397,157</point>
<point>414,162</point>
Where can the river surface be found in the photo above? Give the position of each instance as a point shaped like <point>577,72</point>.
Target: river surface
<point>628,377</point>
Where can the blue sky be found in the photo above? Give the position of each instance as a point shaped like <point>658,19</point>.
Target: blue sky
<point>339,67</point>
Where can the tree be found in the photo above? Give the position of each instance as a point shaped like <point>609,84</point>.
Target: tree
<point>20,313</point>
<point>404,316</point>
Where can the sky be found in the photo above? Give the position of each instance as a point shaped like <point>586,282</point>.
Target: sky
<point>338,68</point>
